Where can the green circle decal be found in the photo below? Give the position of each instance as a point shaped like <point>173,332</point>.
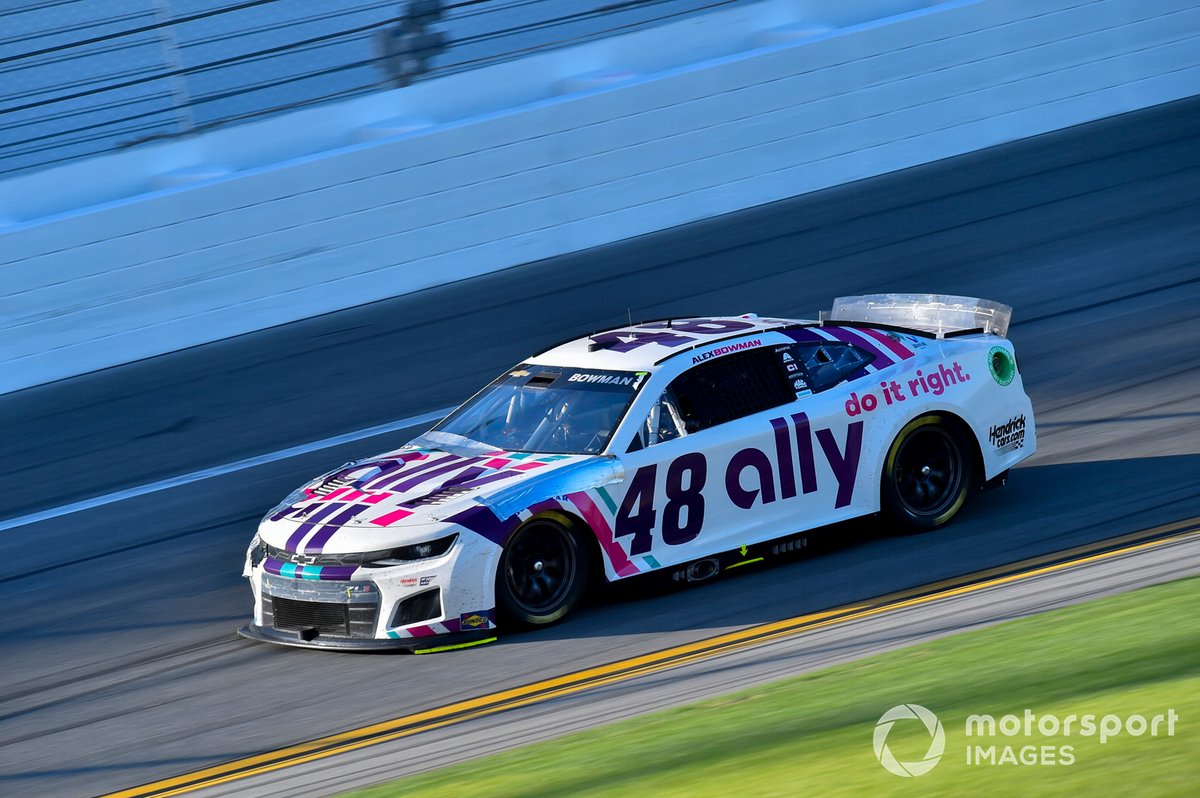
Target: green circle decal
<point>1001,365</point>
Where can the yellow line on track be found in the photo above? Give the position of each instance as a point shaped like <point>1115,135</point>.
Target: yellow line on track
<point>646,664</point>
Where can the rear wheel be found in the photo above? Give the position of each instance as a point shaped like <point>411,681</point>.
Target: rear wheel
<point>543,572</point>
<point>927,473</point>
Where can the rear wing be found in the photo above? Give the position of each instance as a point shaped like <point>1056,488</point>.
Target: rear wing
<point>936,315</point>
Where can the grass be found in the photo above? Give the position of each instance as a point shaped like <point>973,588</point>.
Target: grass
<point>1138,652</point>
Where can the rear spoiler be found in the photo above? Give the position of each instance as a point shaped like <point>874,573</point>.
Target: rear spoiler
<point>938,315</point>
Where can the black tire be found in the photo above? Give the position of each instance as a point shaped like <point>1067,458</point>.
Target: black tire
<point>927,474</point>
<point>543,572</point>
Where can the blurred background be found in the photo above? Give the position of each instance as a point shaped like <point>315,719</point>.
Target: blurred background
<point>243,242</point>
<point>81,77</point>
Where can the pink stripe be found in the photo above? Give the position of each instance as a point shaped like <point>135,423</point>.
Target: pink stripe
<point>421,631</point>
<point>497,463</point>
<point>417,464</point>
<point>394,515</point>
<point>353,496</point>
<point>528,466</point>
<point>328,497</point>
<point>599,524</point>
<point>376,499</point>
<point>898,349</point>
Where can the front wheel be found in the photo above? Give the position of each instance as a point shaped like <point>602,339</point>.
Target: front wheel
<point>927,474</point>
<point>543,572</point>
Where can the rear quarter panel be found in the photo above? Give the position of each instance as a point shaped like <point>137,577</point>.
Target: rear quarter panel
<point>954,376</point>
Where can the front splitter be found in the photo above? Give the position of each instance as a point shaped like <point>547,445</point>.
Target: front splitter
<point>416,645</point>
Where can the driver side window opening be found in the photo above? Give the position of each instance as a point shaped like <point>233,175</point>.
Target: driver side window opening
<point>663,423</point>
<point>716,392</point>
<point>827,364</point>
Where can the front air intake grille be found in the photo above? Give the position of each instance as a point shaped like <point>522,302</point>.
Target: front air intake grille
<point>439,496</point>
<point>421,607</point>
<point>356,619</point>
<point>330,485</point>
<point>296,616</point>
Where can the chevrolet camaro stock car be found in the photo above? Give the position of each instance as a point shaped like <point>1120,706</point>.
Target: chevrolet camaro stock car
<point>686,446</point>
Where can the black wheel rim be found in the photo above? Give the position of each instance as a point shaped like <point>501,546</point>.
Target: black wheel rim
<point>928,471</point>
<point>540,567</point>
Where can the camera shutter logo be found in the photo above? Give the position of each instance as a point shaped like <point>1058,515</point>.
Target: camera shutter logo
<point>937,741</point>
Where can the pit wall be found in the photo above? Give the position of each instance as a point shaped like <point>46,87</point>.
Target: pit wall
<point>167,246</point>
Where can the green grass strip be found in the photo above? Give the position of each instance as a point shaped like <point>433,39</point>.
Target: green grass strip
<point>1135,653</point>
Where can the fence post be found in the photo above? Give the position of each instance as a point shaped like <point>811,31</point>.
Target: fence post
<point>181,99</point>
<point>405,50</point>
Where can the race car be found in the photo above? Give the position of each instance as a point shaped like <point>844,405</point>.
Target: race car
<point>684,446</point>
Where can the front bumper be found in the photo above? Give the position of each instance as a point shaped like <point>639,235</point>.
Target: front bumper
<point>333,642</point>
<point>428,604</point>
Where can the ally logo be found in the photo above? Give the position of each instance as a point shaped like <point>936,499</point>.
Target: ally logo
<point>937,740</point>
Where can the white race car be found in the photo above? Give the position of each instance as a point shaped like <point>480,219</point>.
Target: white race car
<point>687,445</point>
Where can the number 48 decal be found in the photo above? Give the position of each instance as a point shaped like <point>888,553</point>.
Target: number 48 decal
<point>683,515</point>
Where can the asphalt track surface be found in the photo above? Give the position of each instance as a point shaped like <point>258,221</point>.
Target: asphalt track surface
<point>821,644</point>
<point>116,640</point>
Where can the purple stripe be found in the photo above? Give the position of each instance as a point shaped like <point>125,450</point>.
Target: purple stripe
<point>408,483</point>
<point>322,537</point>
<point>394,473</point>
<point>386,482</point>
<point>390,466</point>
<point>458,480</point>
<point>293,542</point>
<point>482,521</point>
<point>338,573</point>
<point>490,478</point>
<point>279,516</point>
<point>882,359</point>
<point>804,335</point>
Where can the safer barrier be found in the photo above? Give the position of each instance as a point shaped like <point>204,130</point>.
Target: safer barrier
<point>127,256</point>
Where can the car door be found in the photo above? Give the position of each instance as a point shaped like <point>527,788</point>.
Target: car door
<point>833,482</point>
<point>677,502</point>
<point>740,449</point>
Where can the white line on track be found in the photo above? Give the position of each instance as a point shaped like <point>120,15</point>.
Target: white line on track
<point>221,470</point>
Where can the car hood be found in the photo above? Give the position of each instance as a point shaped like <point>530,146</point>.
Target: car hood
<point>418,486</point>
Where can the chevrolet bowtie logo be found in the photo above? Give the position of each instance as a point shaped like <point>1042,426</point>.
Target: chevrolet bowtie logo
<point>304,559</point>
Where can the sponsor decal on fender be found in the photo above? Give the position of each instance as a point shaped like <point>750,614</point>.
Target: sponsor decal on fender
<point>934,383</point>
<point>1001,365</point>
<point>473,620</point>
<point>1009,436</point>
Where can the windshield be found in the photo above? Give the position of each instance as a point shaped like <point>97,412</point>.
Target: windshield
<point>547,409</point>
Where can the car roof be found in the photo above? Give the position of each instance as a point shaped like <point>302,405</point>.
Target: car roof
<point>602,350</point>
